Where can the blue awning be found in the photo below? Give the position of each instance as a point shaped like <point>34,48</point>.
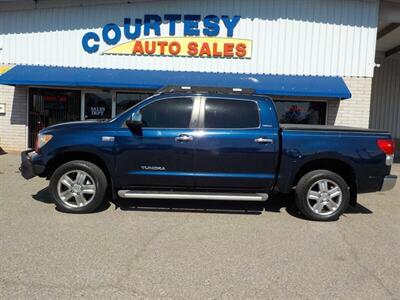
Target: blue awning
<point>301,86</point>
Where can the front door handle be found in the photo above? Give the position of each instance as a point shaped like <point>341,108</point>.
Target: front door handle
<point>262,140</point>
<point>184,138</point>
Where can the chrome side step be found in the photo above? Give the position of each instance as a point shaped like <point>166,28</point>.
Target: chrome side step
<point>192,195</point>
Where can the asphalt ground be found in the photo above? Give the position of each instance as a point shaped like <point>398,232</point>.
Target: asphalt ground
<point>193,250</point>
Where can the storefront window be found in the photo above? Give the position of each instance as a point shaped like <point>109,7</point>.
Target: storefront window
<point>127,100</point>
<point>51,106</point>
<point>301,112</point>
<point>98,105</point>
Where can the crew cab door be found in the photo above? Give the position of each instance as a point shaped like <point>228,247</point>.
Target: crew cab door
<point>237,146</point>
<point>161,154</point>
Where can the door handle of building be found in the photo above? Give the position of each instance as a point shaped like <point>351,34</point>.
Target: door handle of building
<point>184,138</point>
<point>262,140</point>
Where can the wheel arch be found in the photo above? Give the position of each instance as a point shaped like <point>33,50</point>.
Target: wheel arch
<point>338,166</point>
<point>65,157</point>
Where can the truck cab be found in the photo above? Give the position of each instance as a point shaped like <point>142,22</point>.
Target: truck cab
<point>175,141</point>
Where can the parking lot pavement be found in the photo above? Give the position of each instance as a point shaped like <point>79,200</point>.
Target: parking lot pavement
<point>197,250</point>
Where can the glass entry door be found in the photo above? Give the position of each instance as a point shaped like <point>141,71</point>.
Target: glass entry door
<point>51,106</point>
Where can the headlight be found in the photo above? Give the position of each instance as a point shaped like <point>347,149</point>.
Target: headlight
<point>41,140</point>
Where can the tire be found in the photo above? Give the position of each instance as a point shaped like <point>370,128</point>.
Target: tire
<point>78,187</point>
<point>322,195</point>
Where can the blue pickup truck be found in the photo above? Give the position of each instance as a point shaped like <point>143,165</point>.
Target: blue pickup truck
<point>209,146</point>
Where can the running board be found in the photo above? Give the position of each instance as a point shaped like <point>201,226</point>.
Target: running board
<point>192,195</point>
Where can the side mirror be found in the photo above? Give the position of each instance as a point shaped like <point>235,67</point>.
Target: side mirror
<point>135,123</point>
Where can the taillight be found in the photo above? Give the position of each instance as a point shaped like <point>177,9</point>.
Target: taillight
<point>387,146</point>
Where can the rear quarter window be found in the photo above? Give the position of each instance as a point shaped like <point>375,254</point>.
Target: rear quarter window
<point>226,113</point>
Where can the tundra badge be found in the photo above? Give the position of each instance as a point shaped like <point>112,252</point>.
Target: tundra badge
<point>107,138</point>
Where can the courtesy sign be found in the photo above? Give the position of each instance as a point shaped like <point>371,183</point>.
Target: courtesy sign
<point>201,37</point>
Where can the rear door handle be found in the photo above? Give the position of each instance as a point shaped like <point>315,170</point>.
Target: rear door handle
<point>262,140</point>
<point>184,138</point>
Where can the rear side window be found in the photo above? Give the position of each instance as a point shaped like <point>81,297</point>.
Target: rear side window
<point>168,113</point>
<point>225,113</point>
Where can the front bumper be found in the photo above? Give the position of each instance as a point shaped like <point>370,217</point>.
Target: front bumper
<point>389,182</point>
<point>27,168</point>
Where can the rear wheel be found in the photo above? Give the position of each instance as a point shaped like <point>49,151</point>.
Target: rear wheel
<point>78,187</point>
<point>322,195</point>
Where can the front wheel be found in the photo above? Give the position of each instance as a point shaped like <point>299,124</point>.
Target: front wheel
<point>78,187</point>
<point>322,195</point>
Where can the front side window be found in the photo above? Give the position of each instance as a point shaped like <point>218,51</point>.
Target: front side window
<point>301,112</point>
<point>168,113</point>
<point>225,113</point>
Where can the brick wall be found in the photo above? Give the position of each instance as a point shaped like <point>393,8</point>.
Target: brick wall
<point>14,123</point>
<point>354,111</point>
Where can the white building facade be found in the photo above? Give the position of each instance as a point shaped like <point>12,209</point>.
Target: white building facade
<point>295,39</point>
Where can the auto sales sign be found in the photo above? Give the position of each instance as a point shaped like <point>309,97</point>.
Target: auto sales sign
<point>201,37</point>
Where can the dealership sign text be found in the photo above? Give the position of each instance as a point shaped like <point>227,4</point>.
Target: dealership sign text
<point>197,40</point>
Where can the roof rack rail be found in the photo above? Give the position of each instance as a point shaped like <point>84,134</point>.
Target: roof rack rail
<point>205,89</point>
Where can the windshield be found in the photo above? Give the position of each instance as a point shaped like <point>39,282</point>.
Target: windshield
<point>128,109</point>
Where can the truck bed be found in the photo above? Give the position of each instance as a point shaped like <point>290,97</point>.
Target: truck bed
<point>328,128</point>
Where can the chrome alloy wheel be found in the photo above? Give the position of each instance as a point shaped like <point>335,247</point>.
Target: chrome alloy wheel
<point>76,188</point>
<point>324,197</point>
